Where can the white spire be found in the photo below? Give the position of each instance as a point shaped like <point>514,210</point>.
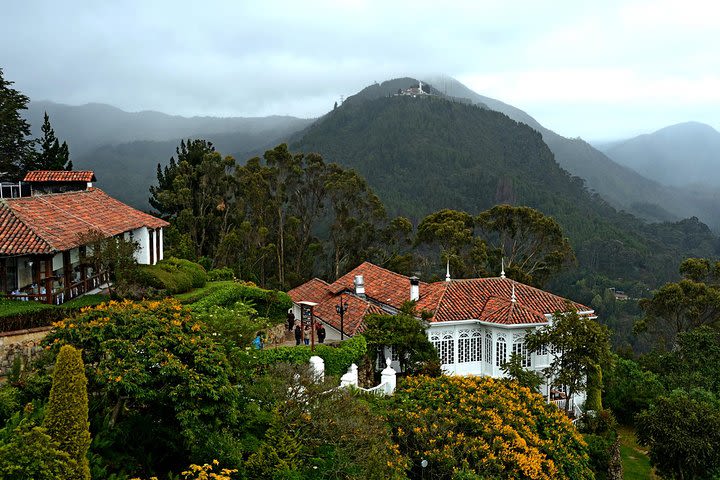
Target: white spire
<point>447,273</point>
<point>502,271</point>
<point>513,299</point>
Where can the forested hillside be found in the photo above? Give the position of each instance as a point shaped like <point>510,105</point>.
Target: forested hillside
<point>424,154</point>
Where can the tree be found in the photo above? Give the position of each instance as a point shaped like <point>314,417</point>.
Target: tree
<point>678,307</point>
<point>114,255</point>
<point>489,427</point>
<point>16,148</point>
<point>515,371</point>
<point>66,418</point>
<point>532,244</point>
<point>581,346</point>
<point>52,155</point>
<point>629,389</point>
<point>453,232</point>
<point>682,431</point>
<point>405,335</point>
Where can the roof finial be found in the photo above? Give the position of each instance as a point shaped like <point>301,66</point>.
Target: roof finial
<point>513,299</point>
<point>447,273</point>
<point>502,269</point>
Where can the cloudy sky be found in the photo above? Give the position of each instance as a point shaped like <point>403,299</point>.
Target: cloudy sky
<point>595,69</point>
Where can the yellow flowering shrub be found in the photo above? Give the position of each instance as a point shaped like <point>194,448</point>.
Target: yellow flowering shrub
<point>485,426</point>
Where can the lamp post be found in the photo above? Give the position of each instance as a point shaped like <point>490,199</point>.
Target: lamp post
<point>341,308</point>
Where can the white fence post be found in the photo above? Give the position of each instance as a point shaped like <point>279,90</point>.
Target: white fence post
<point>350,378</point>
<point>317,369</point>
<point>388,378</point>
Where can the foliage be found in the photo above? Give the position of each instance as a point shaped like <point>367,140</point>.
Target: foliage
<point>485,426</point>
<point>114,255</point>
<point>582,346</point>
<point>197,294</point>
<point>219,274</point>
<point>337,359</point>
<point>269,303</point>
<point>18,315</point>
<point>629,389</point>
<point>312,430</point>
<point>681,306</point>
<point>155,375</point>
<point>532,244</point>
<point>52,155</point>
<point>682,431</point>
<point>514,371</point>
<point>16,149</point>
<point>66,417</point>
<point>172,275</point>
<point>30,453</point>
<point>405,334</point>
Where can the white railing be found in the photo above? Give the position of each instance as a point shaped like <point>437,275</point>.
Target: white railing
<point>350,379</point>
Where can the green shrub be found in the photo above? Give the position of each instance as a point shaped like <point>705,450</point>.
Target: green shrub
<point>337,359</point>
<point>598,448</point>
<point>268,303</point>
<point>218,274</point>
<point>66,417</point>
<point>195,270</point>
<point>172,275</point>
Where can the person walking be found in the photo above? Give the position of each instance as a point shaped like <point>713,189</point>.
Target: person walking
<point>298,333</point>
<point>306,334</point>
<point>290,320</point>
<point>320,332</point>
<point>258,341</point>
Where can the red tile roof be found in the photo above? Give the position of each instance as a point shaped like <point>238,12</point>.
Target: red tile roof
<point>485,299</point>
<point>60,176</point>
<point>55,222</point>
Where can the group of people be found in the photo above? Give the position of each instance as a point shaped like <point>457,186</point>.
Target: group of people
<point>303,332</point>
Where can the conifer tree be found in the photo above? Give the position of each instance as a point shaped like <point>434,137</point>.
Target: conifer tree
<point>15,145</point>
<point>52,155</point>
<point>66,418</point>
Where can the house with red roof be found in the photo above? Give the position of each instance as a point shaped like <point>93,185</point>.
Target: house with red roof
<point>475,324</point>
<point>41,235</point>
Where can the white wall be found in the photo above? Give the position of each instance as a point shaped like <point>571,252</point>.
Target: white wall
<point>142,237</point>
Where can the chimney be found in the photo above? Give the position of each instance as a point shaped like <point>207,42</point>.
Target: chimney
<point>359,286</point>
<point>414,289</point>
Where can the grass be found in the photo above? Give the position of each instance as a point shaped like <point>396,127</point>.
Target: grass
<point>197,293</point>
<point>10,308</point>
<point>636,464</point>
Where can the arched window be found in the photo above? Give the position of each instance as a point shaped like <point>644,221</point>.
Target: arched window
<point>488,348</point>
<point>500,352</point>
<point>519,348</point>
<point>470,346</point>
<point>444,343</point>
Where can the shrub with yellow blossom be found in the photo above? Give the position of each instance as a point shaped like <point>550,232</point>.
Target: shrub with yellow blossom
<point>159,385</point>
<point>482,426</point>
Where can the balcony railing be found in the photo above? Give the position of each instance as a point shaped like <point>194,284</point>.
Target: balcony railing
<point>62,296</point>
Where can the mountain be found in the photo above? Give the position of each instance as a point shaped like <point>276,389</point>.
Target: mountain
<point>678,155</point>
<point>87,127</point>
<point>427,153</point>
<point>616,181</point>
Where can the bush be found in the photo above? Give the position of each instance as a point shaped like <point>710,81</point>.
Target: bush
<point>337,359</point>
<point>599,451</point>
<point>195,270</point>
<point>172,275</point>
<point>219,274</point>
<point>268,303</point>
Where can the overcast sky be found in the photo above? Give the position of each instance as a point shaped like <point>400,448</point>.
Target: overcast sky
<point>595,69</point>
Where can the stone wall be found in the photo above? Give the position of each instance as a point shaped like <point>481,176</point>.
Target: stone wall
<point>24,344</point>
<point>275,335</point>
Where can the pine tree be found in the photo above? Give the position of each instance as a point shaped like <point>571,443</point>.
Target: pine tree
<point>16,148</point>
<point>66,418</point>
<point>52,155</point>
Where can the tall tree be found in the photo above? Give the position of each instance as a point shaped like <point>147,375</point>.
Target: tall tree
<point>581,347</point>
<point>66,419</point>
<point>532,244</point>
<point>52,155</point>
<point>16,148</point>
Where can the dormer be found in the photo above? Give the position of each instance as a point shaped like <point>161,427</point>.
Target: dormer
<point>59,181</point>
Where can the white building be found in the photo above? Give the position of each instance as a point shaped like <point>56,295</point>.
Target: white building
<point>475,324</point>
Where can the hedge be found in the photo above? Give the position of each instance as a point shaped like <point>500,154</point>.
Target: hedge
<point>337,359</point>
<point>18,315</point>
<point>172,275</point>
<point>218,274</point>
<point>268,303</point>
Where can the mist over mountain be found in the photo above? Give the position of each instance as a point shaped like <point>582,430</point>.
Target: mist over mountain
<point>679,155</point>
<point>86,127</point>
<point>616,181</point>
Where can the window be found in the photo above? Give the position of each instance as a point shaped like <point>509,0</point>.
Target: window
<point>488,348</point>
<point>500,352</point>
<point>470,346</point>
<point>394,355</point>
<point>519,348</point>
<point>543,350</point>
<point>444,343</point>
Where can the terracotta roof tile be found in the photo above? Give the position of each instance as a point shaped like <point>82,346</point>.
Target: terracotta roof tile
<point>54,222</point>
<point>60,176</point>
<point>485,299</point>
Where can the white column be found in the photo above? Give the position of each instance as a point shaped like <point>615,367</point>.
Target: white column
<point>388,378</point>
<point>317,369</point>
<point>161,253</point>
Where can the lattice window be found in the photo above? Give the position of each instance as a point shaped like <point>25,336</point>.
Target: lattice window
<point>394,355</point>
<point>470,346</point>
<point>519,348</point>
<point>500,352</point>
<point>444,343</point>
<point>543,349</point>
<point>488,348</point>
